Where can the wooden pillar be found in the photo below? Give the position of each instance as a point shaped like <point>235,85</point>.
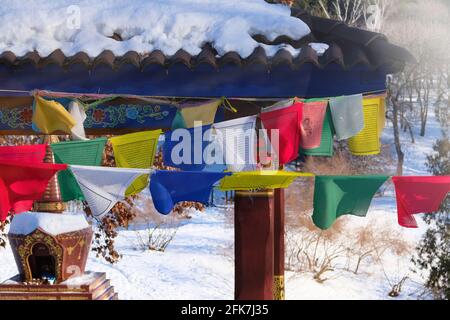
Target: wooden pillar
<point>279,212</point>
<point>254,246</point>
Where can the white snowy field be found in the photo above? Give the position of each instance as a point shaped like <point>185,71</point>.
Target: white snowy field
<point>198,263</point>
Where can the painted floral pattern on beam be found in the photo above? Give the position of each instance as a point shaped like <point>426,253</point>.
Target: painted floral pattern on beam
<point>100,117</point>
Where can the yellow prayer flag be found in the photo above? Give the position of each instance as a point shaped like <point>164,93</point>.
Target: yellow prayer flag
<point>263,179</point>
<point>367,141</point>
<point>205,112</point>
<point>50,116</point>
<point>136,150</point>
<point>382,120</point>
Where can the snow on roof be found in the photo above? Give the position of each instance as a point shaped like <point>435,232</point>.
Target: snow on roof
<point>53,224</point>
<point>144,26</point>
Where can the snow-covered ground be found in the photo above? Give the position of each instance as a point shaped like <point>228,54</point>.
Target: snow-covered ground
<point>198,263</point>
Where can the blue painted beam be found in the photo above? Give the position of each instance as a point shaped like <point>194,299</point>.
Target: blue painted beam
<point>203,81</point>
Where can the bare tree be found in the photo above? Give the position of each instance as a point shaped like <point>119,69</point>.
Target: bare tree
<point>375,13</point>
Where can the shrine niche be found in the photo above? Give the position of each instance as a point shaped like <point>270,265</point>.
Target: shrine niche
<point>44,258</point>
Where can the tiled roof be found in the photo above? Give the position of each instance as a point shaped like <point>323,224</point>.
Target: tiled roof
<point>348,47</point>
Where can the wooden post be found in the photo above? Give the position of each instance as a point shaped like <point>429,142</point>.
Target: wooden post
<point>278,286</point>
<point>254,248</point>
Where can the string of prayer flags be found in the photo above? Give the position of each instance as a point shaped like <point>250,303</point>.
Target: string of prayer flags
<point>26,153</point>
<point>78,113</point>
<point>185,148</point>
<point>313,115</point>
<point>367,142</point>
<point>103,187</point>
<point>335,196</point>
<point>136,150</point>
<point>287,121</point>
<point>21,183</point>
<point>419,195</point>
<point>170,187</point>
<point>86,153</point>
<point>50,116</point>
<point>203,113</point>
<point>326,141</point>
<point>261,179</point>
<point>280,105</point>
<point>348,115</point>
<point>237,141</point>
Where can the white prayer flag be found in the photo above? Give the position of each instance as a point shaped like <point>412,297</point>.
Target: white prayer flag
<point>103,187</point>
<point>79,115</point>
<point>237,139</point>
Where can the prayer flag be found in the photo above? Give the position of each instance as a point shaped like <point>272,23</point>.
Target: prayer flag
<point>86,153</point>
<point>178,121</point>
<point>335,196</point>
<point>184,148</point>
<point>419,195</point>
<point>136,150</point>
<point>287,121</point>
<point>76,110</point>
<point>326,141</point>
<point>103,187</point>
<point>50,116</point>
<point>203,112</point>
<point>262,179</point>
<point>22,183</point>
<point>313,115</point>
<point>348,115</point>
<point>367,142</point>
<point>237,141</point>
<point>170,187</point>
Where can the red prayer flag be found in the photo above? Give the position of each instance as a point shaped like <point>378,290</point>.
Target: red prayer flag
<point>27,153</point>
<point>288,122</point>
<point>23,183</point>
<point>419,195</point>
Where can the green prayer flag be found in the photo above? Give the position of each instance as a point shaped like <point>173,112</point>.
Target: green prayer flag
<point>84,153</point>
<point>335,196</point>
<point>178,121</point>
<point>326,142</point>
